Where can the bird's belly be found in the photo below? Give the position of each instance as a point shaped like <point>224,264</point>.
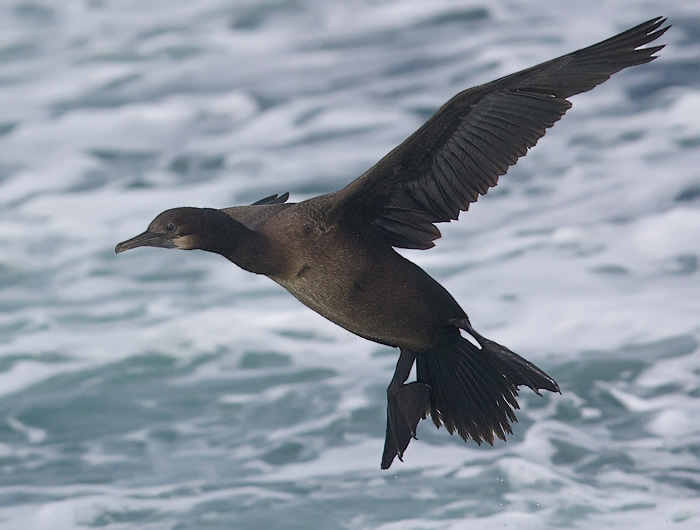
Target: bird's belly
<point>370,305</point>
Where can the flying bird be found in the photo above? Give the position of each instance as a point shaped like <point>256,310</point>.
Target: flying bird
<point>335,252</point>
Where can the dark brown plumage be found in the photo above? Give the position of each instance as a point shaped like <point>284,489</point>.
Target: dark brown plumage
<point>335,253</point>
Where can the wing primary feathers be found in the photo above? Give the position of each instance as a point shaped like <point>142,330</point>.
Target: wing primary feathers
<point>462,150</point>
<point>273,199</point>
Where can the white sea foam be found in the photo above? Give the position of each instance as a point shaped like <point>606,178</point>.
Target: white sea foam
<point>163,389</point>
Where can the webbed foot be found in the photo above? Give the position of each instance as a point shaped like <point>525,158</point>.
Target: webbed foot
<point>407,405</point>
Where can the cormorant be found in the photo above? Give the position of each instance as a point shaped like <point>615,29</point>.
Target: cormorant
<point>335,252</point>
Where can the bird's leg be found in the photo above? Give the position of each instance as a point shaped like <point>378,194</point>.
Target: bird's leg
<point>407,405</point>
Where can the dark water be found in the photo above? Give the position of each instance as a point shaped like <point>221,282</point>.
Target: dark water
<point>165,390</point>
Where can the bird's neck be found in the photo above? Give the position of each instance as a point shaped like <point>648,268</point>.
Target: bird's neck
<point>247,248</point>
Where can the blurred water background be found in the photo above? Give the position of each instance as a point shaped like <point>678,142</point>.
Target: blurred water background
<point>171,390</point>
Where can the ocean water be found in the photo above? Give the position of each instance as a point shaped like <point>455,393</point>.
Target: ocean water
<point>171,390</point>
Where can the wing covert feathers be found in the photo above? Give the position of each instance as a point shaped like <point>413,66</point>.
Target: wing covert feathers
<point>460,152</point>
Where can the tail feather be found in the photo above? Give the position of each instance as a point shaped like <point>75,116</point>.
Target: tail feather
<point>520,371</point>
<point>474,390</point>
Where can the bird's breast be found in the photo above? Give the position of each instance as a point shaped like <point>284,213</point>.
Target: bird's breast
<point>372,292</point>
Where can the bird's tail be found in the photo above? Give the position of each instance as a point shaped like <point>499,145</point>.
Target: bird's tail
<point>473,390</point>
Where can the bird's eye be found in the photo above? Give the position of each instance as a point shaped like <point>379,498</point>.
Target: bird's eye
<point>170,227</point>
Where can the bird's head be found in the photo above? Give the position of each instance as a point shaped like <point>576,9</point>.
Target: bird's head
<point>183,228</point>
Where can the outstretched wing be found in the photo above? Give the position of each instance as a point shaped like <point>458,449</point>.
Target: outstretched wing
<point>475,137</point>
<point>273,199</point>
<point>260,211</point>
